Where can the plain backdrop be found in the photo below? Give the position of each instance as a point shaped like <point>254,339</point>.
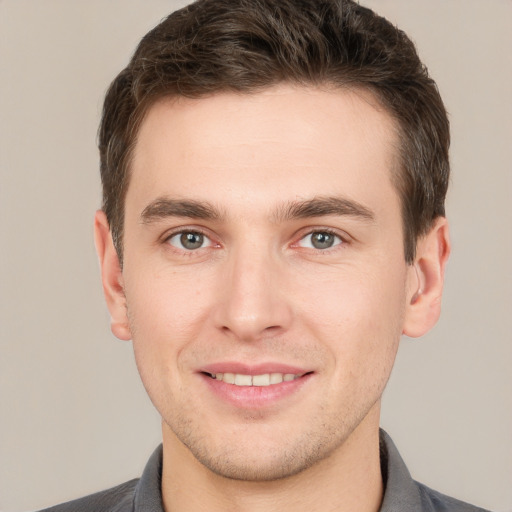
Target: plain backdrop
<point>74,416</point>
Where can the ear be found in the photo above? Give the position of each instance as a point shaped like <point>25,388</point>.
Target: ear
<point>111,277</point>
<point>425,280</point>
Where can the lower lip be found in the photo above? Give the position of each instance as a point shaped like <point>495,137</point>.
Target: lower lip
<point>255,397</point>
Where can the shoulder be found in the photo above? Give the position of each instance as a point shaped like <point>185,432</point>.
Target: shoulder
<point>404,494</point>
<point>137,494</point>
<point>116,499</point>
<point>434,501</point>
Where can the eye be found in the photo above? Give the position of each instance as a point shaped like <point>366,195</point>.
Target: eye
<point>320,240</point>
<point>189,240</point>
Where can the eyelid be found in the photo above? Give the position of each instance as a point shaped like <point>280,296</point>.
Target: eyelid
<point>189,229</point>
<point>303,233</point>
<point>206,242</point>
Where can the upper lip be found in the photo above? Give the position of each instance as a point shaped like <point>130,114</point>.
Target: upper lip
<point>251,369</point>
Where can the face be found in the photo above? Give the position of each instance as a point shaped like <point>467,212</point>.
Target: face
<point>264,274</point>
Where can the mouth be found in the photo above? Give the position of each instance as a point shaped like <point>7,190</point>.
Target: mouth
<point>262,380</point>
<point>255,387</point>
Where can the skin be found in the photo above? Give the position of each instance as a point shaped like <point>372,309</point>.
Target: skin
<point>259,292</point>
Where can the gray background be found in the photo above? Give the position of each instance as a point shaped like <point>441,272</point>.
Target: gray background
<point>74,417</point>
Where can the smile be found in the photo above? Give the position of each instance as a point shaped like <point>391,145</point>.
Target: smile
<point>256,386</point>
<point>265,379</point>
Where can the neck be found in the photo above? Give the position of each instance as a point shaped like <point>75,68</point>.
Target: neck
<point>349,479</point>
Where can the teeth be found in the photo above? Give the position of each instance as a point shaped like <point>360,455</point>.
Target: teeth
<point>261,380</point>
<point>229,378</point>
<point>276,378</point>
<point>243,380</point>
<point>267,379</point>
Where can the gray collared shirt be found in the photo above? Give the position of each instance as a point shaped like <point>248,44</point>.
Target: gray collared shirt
<point>402,493</point>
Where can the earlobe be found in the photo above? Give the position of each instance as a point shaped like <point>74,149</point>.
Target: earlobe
<point>111,277</point>
<point>426,279</point>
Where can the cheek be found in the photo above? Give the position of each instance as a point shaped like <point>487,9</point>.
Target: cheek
<point>165,312</point>
<point>358,315</point>
<point>354,294</point>
<point>165,303</point>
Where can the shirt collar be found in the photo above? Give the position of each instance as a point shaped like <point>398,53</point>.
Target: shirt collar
<point>148,493</point>
<point>400,490</point>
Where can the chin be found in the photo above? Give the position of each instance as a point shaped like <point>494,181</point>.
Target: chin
<point>276,467</point>
<point>262,456</point>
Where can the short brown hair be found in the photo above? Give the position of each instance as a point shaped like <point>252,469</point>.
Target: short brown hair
<point>244,46</point>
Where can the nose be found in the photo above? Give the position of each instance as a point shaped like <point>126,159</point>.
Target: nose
<point>253,301</point>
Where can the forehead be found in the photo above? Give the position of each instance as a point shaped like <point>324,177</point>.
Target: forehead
<point>283,143</point>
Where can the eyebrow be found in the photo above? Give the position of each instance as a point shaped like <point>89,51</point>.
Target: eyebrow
<point>165,207</point>
<point>321,206</point>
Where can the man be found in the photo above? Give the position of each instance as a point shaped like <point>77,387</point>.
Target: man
<point>274,176</point>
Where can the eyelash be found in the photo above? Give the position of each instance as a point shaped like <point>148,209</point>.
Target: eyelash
<point>343,240</point>
<point>194,231</point>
